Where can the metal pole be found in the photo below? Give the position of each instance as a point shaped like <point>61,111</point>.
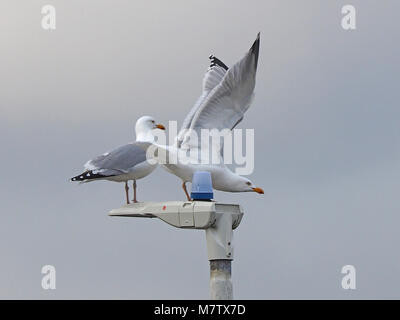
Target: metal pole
<point>220,254</point>
<point>220,280</point>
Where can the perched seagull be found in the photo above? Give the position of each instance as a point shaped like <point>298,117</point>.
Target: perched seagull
<point>227,94</point>
<point>124,163</point>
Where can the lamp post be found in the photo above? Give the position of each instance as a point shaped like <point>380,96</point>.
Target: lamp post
<point>217,219</point>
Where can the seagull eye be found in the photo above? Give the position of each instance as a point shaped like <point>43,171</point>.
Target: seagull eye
<point>153,121</point>
<point>248,183</point>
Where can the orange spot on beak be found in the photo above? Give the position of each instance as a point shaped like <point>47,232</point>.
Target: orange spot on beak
<point>258,190</point>
<point>160,126</point>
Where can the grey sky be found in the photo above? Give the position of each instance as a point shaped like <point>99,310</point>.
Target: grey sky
<point>326,119</point>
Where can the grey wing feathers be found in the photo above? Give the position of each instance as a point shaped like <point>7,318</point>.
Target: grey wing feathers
<point>119,160</point>
<point>214,75</point>
<point>226,104</point>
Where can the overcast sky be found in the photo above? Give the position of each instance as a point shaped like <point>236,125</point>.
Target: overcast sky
<point>326,119</point>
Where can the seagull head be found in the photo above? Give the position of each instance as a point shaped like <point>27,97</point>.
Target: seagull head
<point>252,188</point>
<point>247,186</point>
<point>235,183</point>
<point>144,127</point>
<point>147,123</point>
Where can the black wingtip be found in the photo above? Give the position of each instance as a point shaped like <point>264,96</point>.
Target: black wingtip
<point>255,48</point>
<point>216,62</point>
<point>79,177</point>
<point>87,175</point>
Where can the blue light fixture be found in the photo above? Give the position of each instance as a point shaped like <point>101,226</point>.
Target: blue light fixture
<point>202,186</point>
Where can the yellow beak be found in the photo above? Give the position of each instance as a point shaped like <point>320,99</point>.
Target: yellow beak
<point>160,126</point>
<point>258,190</point>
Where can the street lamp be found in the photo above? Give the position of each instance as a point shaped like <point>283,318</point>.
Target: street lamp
<point>217,219</point>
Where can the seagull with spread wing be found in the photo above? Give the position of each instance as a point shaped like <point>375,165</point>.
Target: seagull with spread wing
<point>227,94</point>
<point>124,163</point>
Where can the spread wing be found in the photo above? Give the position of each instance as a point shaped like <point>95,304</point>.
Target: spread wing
<point>214,75</point>
<point>226,103</point>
